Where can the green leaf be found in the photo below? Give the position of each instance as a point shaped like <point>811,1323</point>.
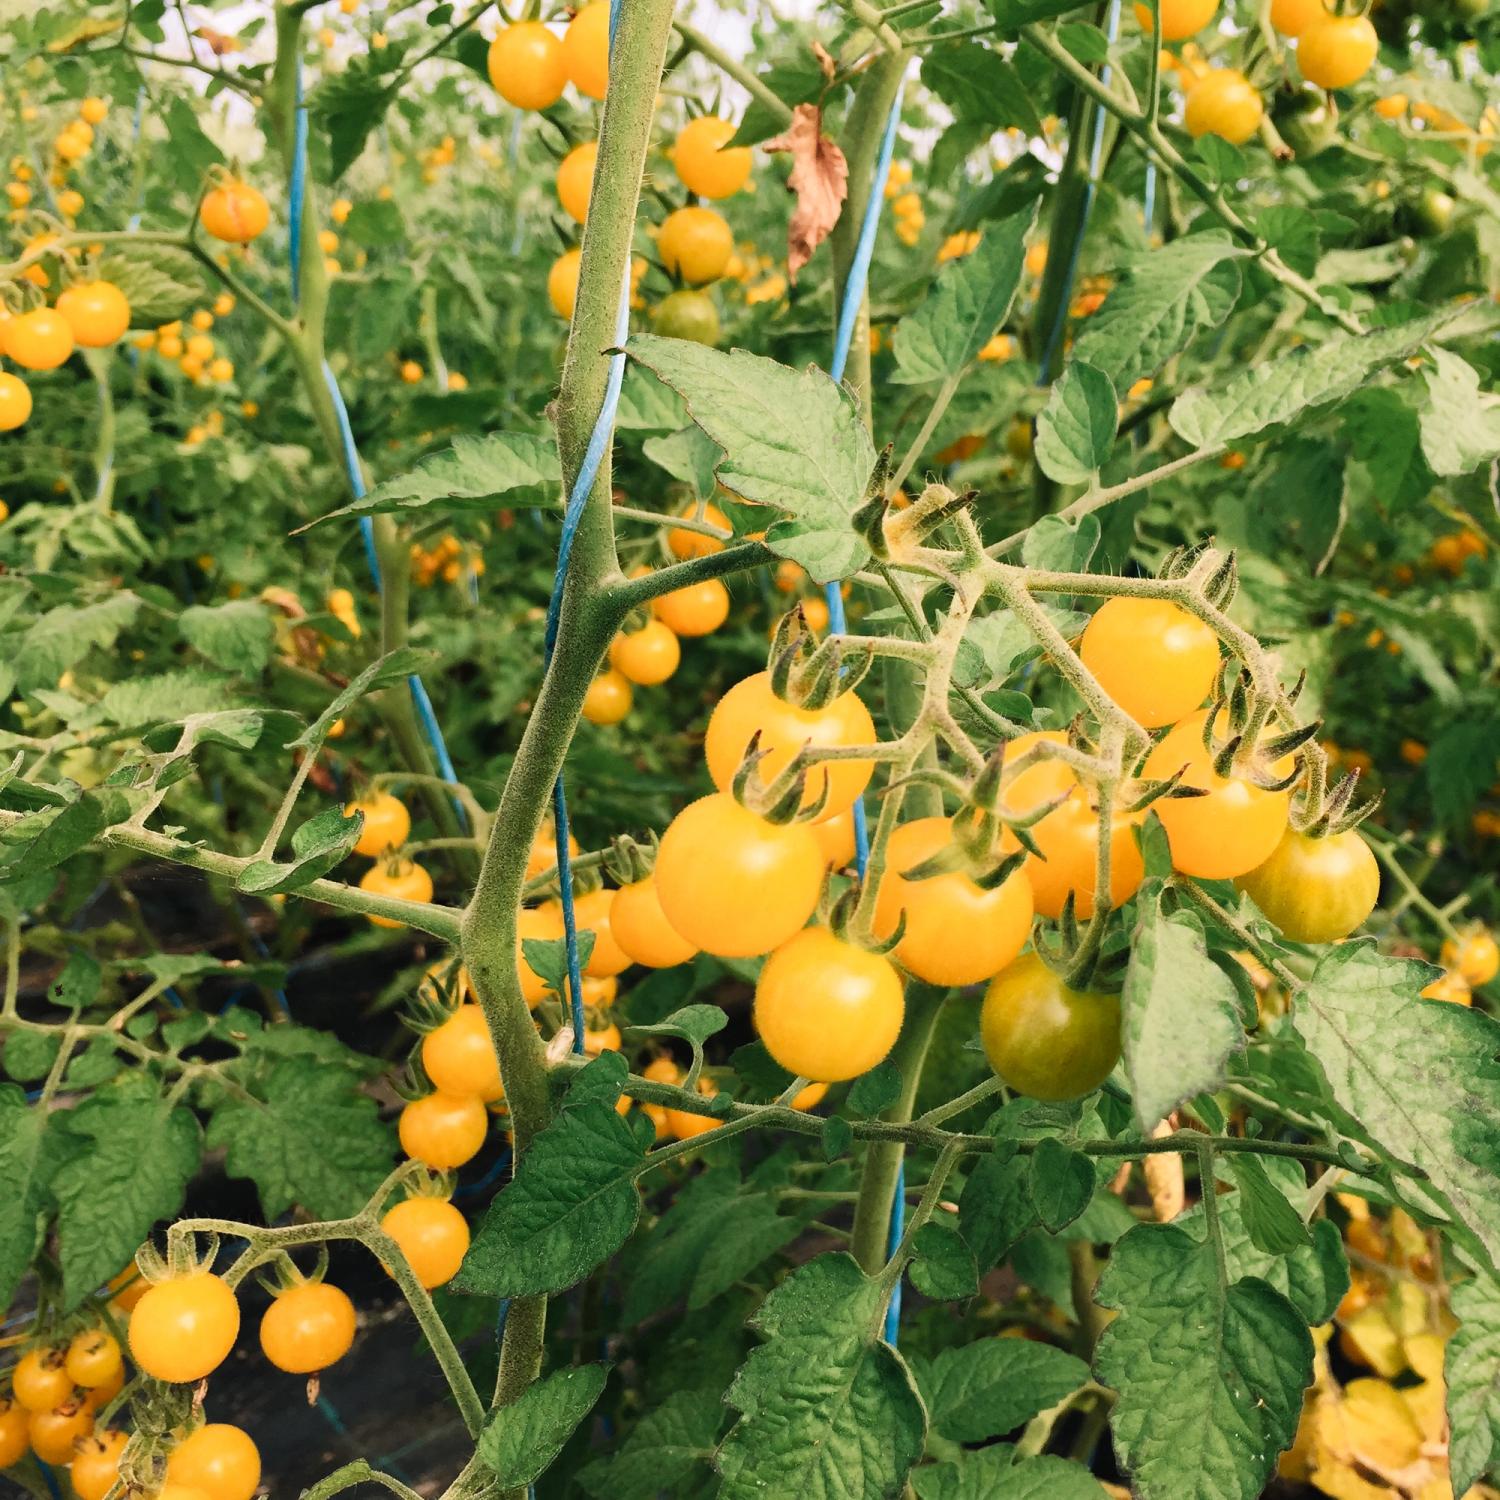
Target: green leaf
<point>471,475</point>
<point>29,1055</point>
<point>521,1440</point>
<point>1298,503</point>
<point>572,1203</point>
<point>965,306</point>
<point>375,222</point>
<point>876,1090</point>
<point>1385,434</point>
<point>689,455</point>
<point>28,1151</point>
<point>792,439</point>
<point>1461,425</point>
<point>985,1389</point>
<point>1060,1182</point>
<point>693,1023</point>
<point>136,1156</point>
<point>311,1139</point>
<point>239,636</point>
<point>317,846</point>
<point>1418,1075</point>
<point>193,153</point>
<point>1209,1376</point>
<point>139,701</point>
<point>827,1410</point>
<point>989,1474</point>
<point>646,405</point>
<point>1168,296</point>
<point>1180,1017</point>
<point>395,666</point>
<point>64,636</point>
<point>43,840</point>
<point>547,958</point>
<point>944,1267</point>
<point>666,1451</point>
<point>161,282</point>
<point>1277,390</point>
<point>1293,233</point>
<point>980,86</point>
<point>1061,546</point>
<point>1273,1225</point>
<point>1075,432</point>
<point>1015,13</point>
<point>1472,1369</point>
<point>350,104</point>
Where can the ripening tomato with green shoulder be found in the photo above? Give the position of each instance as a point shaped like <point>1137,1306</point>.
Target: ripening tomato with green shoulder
<point>1475,957</point>
<point>695,244</point>
<point>308,1327</point>
<point>1042,1038</point>
<point>648,656</point>
<point>459,1056</point>
<point>825,1009</point>
<point>1336,51</point>
<point>753,707</point>
<point>40,1380</point>
<point>219,1459</point>
<point>1230,829</point>
<point>1151,657</point>
<point>734,884</point>
<point>586,49</point>
<point>184,1327</point>
<point>15,398</point>
<point>15,1441</point>
<point>433,1236</point>
<point>704,164</point>
<point>697,610</point>
<point>642,930</point>
<point>386,824</point>
<point>443,1131</point>
<point>1179,18</point>
<point>687,314</point>
<point>1315,889</point>
<point>526,65</point>
<point>1223,102</point>
<point>96,1463</point>
<point>402,878</point>
<point>608,699</point>
<point>956,931</point>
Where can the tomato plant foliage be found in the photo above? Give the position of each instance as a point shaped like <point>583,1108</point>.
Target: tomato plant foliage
<point>1009,622</point>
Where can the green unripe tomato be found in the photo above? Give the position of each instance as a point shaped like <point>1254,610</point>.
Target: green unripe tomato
<point>688,314</point>
<point>1308,120</point>
<point>1316,890</point>
<point>1432,213</point>
<point>1044,1039</point>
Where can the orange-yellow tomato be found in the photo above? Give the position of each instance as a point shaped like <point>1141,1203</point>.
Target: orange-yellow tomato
<point>1179,18</point>
<point>956,932</point>
<point>1293,17</point>
<point>825,1009</point>
<point>540,924</point>
<point>1153,658</point>
<point>433,1236</point>
<point>684,544</point>
<point>585,48</point>
<point>648,656</point>
<point>592,912</point>
<point>15,400</point>
<point>1336,51</point>
<point>41,339</point>
<point>1223,102</point>
<point>526,65</point>
<point>386,824</point>
<point>1231,829</point>
<point>642,930</point>
<point>444,1130</point>
<point>752,707</point>
<point>235,212</point>
<point>562,282</point>
<point>705,167</point>
<point>608,698</point>
<point>459,1056</point>
<point>1068,838</point>
<point>1475,957</point>
<point>695,244</point>
<point>96,311</point>
<point>836,839</point>
<point>697,610</point>
<point>575,179</point>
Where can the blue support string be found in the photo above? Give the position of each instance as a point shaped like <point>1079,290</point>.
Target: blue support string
<point>588,471</point>
<point>1090,187</point>
<point>297,197</point>
<point>853,299</point>
<point>1148,198</point>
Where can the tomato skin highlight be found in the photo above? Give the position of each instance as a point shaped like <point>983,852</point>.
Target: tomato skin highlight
<point>218,1459</point>
<point>459,1056</point>
<point>444,1130</point>
<point>827,1010</point>
<point>1151,657</point>
<point>751,706</point>
<point>1232,829</point>
<point>41,339</point>
<point>526,65</point>
<point>433,1236</point>
<point>1315,890</point>
<point>1337,51</point>
<point>308,1327</point>
<point>642,930</point>
<point>956,932</point>
<point>386,825</point>
<point>695,244</point>
<point>703,164</point>
<point>184,1328</point>
<point>734,884</point>
<point>1045,1040</point>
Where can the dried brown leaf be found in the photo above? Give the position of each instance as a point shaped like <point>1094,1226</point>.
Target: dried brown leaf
<point>819,178</point>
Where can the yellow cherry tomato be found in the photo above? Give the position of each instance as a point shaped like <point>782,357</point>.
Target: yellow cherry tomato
<point>702,162</point>
<point>585,47</point>
<point>575,179</point>
<point>526,65</point>
<point>695,244</point>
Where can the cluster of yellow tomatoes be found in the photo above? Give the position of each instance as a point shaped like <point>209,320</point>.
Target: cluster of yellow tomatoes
<point>191,348</point>
<point>906,204</point>
<point>394,873</point>
<point>446,558</point>
<point>1333,52</point>
<point>181,1328</point>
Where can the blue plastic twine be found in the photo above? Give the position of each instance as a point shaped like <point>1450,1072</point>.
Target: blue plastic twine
<point>421,701</point>
<point>588,471</point>
<point>854,293</point>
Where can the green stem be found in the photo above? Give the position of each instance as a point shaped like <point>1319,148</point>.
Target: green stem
<point>742,75</point>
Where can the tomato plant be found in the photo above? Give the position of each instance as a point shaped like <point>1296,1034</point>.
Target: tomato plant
<point>750,752</point>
